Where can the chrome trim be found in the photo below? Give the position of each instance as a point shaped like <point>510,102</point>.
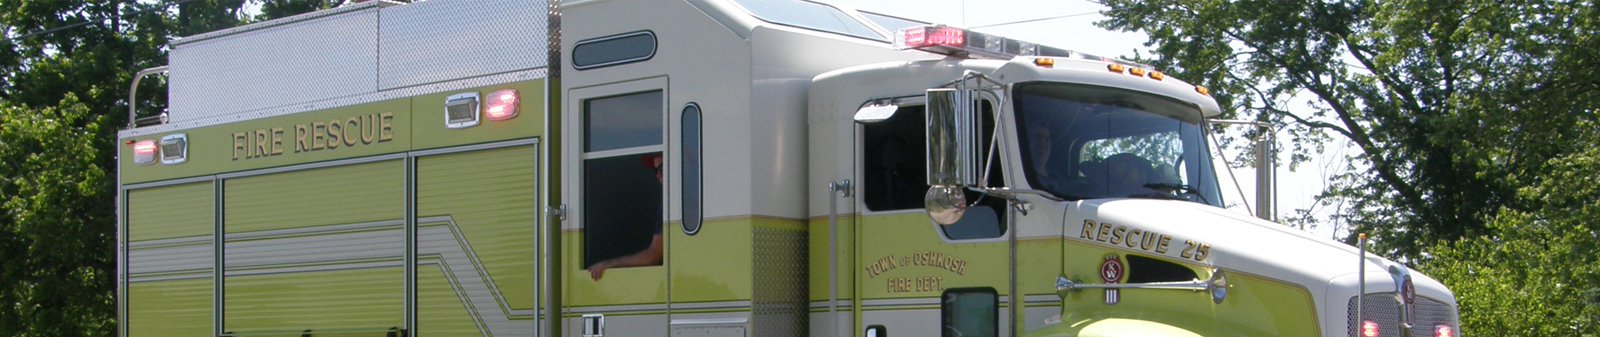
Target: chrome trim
<point>712,305</point>
<point>134,90</point>
<point>709,321</point>
<point>1216,286</point>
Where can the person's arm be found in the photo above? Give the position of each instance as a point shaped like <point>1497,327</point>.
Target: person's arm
<point>650,256</point>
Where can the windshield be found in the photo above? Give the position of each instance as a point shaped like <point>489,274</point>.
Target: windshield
<point>1085,142</point>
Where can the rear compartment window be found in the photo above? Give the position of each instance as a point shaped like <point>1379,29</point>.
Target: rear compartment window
<point>691,169</point>
<point>622,172</point>
<point>810,15</point>
<point>614,50</point>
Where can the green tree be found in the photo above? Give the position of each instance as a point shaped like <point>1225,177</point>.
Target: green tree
<point>1455,104</point>
<point>63,85</point>
<point>56,194</point>
<point>1539,275</point>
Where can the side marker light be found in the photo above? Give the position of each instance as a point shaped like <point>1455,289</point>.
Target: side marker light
<point>1202,90</point>
<point>1044,62</point>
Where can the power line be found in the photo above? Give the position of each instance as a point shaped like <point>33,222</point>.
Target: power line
<point>86,23</point>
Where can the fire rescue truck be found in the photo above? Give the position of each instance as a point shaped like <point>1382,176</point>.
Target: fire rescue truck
<point>700,168</point>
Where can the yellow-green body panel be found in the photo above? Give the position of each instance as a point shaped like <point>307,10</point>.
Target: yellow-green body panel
<point>370,299</point>
<point>1255,306</point>
<point>170,212</point>
<point>177,308</point>
<point>335,195</point>
<point>904,256</point>
<point>630,285</point>
<point>439,308</point>
<point>818,273</point>
<point>490,196</point>
<point>715,263</point>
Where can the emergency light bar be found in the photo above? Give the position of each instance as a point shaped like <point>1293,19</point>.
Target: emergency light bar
<point>952,41</point>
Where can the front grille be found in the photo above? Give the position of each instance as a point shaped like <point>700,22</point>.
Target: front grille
<point>1384,309</point>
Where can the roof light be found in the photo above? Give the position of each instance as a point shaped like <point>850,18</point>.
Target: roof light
<point>144,152</point>
<point>1044,62</point>
<point>959,42</point>
<point>1443,331</point>
<point>928,36</point>
<point>1369,329</point>
<point>1136,71</point>
<point>1115,68</point>
<point>1156,75</point>
<point>502,105</point>
<point>1202,90</point>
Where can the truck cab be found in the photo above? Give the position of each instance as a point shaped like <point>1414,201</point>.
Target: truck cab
<point>1054,193</point>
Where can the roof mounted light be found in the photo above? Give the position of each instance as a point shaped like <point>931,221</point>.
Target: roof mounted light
<point>952,41</point>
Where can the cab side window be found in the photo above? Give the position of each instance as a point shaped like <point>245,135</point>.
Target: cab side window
<point>894,163</point>
<point>622,157</point>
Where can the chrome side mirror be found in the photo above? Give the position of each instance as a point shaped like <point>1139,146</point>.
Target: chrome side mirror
<point>950,153</point>
<point>1217,286</point>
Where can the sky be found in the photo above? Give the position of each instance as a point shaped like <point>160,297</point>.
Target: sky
<point>1075,30</point>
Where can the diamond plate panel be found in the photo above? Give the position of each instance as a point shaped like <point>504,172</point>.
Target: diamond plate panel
<point>436,41</point>
<point>1384,309</point>
<point>318,56</point>
<point>780,299</point>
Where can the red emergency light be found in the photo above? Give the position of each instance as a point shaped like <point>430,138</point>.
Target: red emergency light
<point>1443,331</point>
<point>918,37</point>
<point>501,105</point>
<point>144,152</point>
<point>1369,329</point>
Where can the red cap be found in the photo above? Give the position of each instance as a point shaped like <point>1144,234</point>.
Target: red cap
<point>649,159</point>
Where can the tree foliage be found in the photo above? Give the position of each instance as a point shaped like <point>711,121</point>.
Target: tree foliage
<point>56,197</point>
<point>1477,123</point>
<point>63,82</point>
<point>1539,275</point>
<point>1454,104</point>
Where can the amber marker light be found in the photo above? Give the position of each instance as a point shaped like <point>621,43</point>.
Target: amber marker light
<point>1044,62</point>
<point>1202,90</point>
<point>1156,75</point>
<point>1115,68</point>
<point>1136,71</point>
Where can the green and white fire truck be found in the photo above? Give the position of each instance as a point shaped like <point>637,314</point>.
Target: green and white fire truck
<point>700,168</point>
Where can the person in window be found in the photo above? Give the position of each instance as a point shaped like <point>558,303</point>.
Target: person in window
<point>1040,144</point>
<point>650,256</point>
